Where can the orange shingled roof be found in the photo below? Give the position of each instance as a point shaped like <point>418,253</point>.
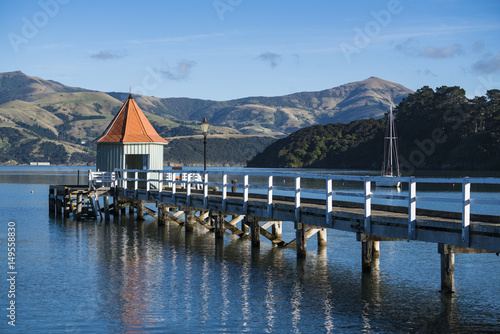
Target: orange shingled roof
<point>130,125</point>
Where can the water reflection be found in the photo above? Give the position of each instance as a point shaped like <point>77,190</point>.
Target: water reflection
<point>152,277</point>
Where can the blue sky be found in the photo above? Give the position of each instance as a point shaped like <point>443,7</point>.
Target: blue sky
<point>226,49</point>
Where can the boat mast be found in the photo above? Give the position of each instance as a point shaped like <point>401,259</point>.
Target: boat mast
<point>391,134</point>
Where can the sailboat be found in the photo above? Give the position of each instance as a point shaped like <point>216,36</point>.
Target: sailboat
<point>390,165</point>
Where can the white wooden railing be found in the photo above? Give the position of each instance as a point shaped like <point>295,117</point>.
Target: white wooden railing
<point>266,183</point>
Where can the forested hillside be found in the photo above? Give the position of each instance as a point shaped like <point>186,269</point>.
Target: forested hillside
<point>437,129</point>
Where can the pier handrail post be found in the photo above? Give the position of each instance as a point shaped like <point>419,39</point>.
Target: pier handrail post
<point>412,208</point>
<point>269,195</point>
<point>368,205</point>
<point>466,211</point>
<point>147,181</point>
<point>90,178</point>
<point>136,182</point>
<point>188,189</point>
<point>245,193</point>
<point>224,191</point>
<point>297,198</point>
<point>205,189</point>
<point>174,186</point>
<point>329,195</point>
<point>160,184</point>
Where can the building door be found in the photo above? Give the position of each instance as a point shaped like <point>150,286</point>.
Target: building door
<point>137,161</point>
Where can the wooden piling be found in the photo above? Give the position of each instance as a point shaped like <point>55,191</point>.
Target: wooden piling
<point>218,221</point>
<point>300,237</point>
<point>322,239</point>
<point>67,203</point>
<point>79,200</point>
<point>447,268</point>
<point>244,225</point>
<point>140,210</point>
<point>254,231</point>
<point>59,206</point>
<point>106,207</point>
<point>116,206</point>
<point>52,200</point>
<point>123,210</point>
<point>188,220</point>
<point>376,249</point>
<point>277,229</point>
<point>366,256</point>
<point>162,216</point>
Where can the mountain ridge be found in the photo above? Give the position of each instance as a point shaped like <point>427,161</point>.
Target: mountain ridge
<point>47,110</point>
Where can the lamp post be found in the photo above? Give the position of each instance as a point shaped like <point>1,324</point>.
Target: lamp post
<point>204,128</point>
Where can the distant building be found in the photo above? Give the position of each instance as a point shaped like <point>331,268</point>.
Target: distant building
<point>129,142</point>
<point>36,163</point>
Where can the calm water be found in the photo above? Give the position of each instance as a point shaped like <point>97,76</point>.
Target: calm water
<point>127,277</point>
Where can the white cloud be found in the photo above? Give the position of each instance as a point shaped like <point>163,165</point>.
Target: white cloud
<point>108,55</point>
<point>272,58</point>
<point>179,72</point>
<point>443,52</point>
<point>488,65</point>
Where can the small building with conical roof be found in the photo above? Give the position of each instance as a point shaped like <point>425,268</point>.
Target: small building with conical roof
<point>129,142</point>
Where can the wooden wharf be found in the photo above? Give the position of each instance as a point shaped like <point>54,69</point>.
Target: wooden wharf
<point>258,203</point>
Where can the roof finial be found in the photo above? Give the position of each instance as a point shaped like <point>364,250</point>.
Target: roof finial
<point>130,93</point>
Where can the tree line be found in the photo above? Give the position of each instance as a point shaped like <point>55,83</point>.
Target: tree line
<point>437,129</point>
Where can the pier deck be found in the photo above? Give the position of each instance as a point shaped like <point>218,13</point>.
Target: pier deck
<point>255,198</point>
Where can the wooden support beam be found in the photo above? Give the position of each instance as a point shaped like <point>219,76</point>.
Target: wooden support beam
<point>236,220</point>
<point>234,229</point>
<point>310,232</point>
<point>467,250</point>
<point>150,212</point>
<point>201,220</point>
<point>274,239</point>
<point>366,237</point>
<point>173,218</point>
<point>267,224</point>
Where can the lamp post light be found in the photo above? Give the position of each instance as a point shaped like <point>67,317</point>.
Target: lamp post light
<point>204,128</point>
